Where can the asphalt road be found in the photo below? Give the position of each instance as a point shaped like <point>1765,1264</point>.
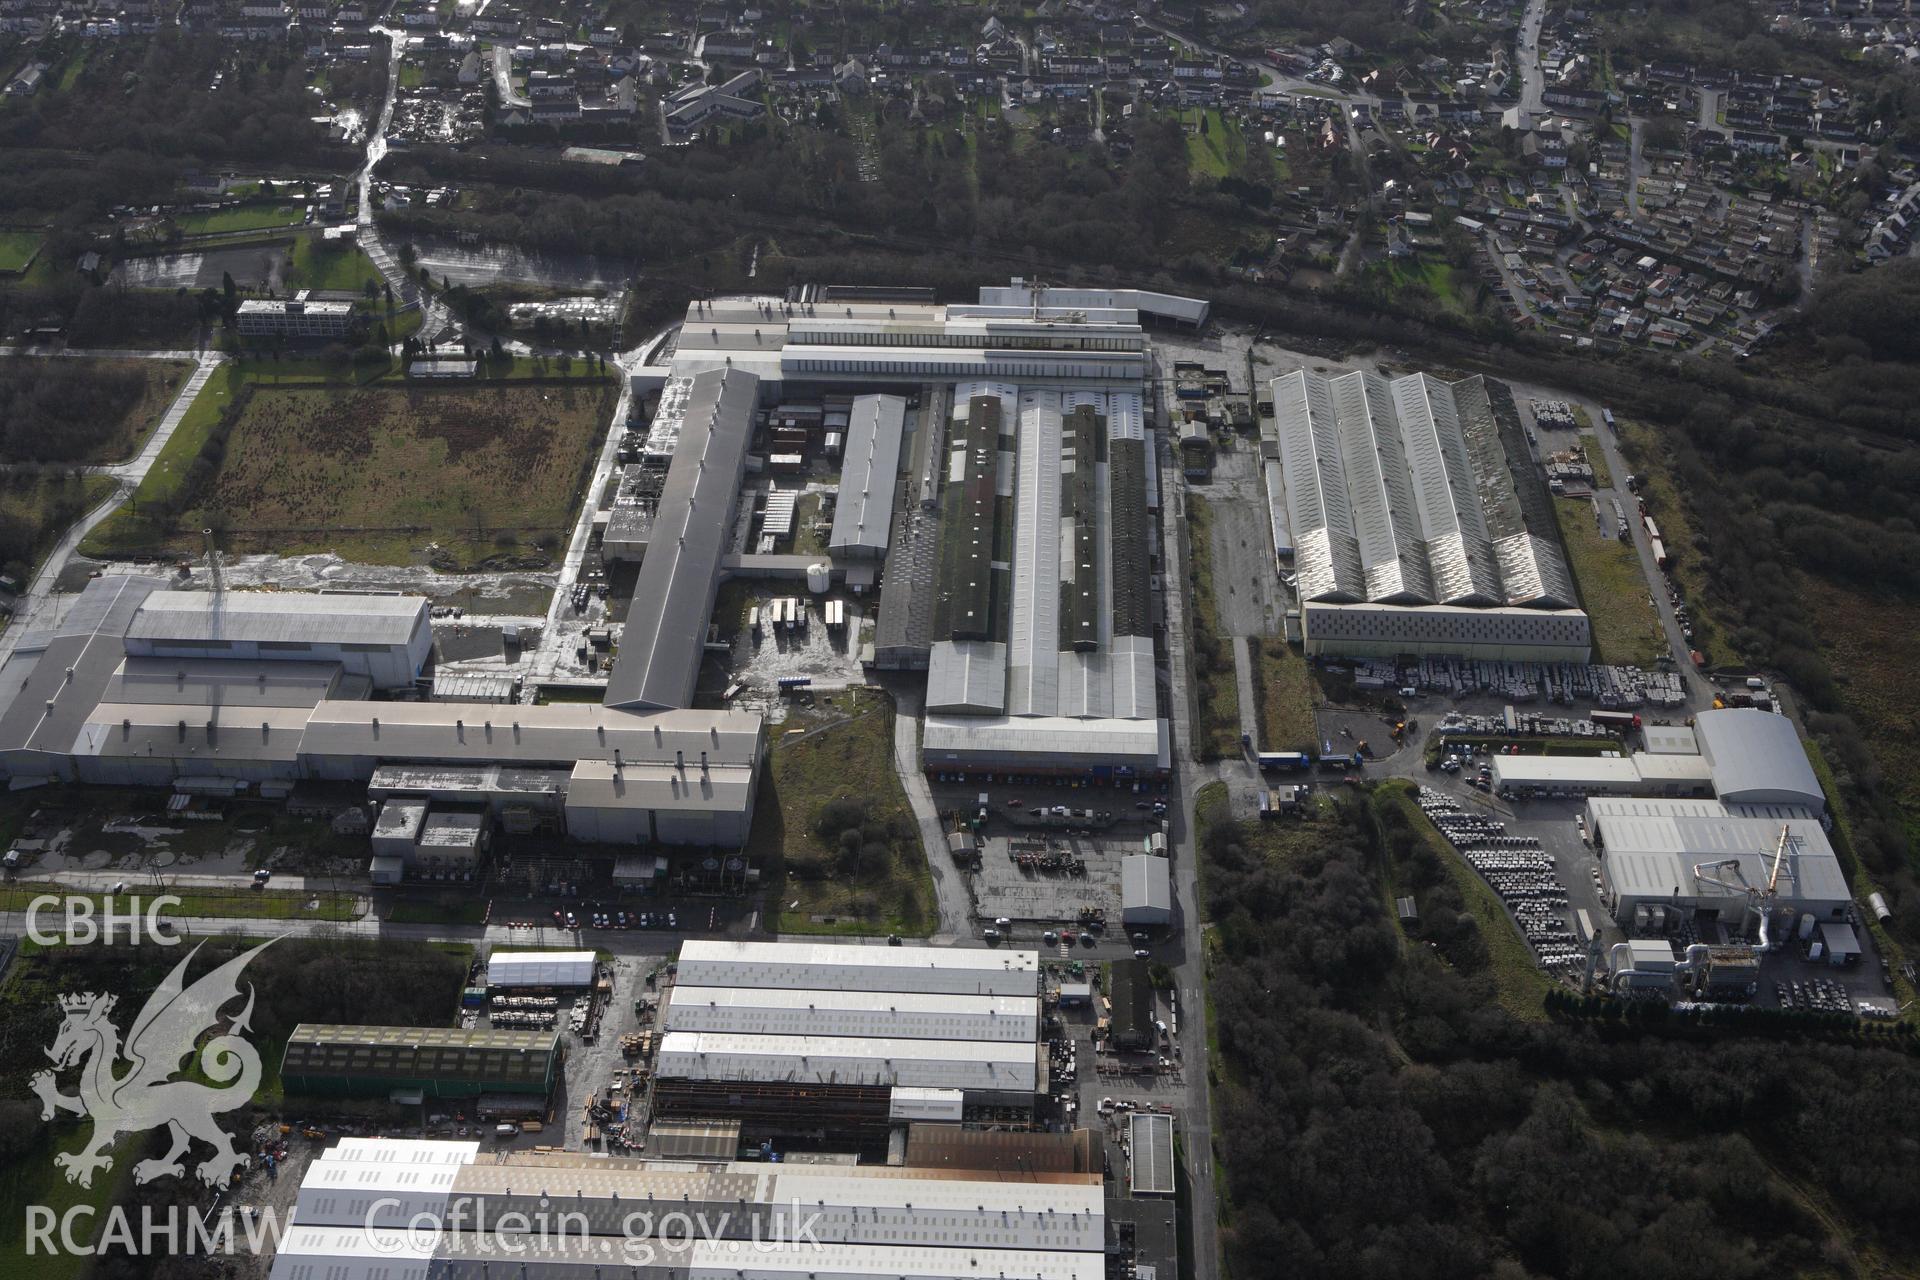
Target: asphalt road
<point>39,606</point>
<point>1533,82</point>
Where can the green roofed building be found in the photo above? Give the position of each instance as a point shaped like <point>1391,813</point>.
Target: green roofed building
<point>435,1062</point>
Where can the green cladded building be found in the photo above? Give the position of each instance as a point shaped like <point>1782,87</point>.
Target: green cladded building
<point>435,1062</point>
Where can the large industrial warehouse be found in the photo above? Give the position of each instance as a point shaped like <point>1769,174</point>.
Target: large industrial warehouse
<point>1413,532</point>
<point>1716,858</point>
<point>137,685</point>
<point>802,1038</point>
<point>358,1200</point>
<point>1039,652</point>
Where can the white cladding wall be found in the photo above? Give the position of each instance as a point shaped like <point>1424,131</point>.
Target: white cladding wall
<point>838,967</point>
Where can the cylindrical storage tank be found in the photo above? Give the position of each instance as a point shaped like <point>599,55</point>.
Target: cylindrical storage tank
<point>1806,925</point>
<point>1881,912</point>
<point>819,578</point>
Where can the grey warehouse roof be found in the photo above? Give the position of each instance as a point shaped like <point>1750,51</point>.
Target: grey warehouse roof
<point>452,732</point>
<point>863,514</point>
<point>1757,758</point>
<point>1146,883</point>
<point>1653,847</point>
<point>660,651</point>
<point>304,617</point>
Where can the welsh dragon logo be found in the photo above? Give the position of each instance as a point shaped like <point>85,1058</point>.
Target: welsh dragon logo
<point>145,1095</point>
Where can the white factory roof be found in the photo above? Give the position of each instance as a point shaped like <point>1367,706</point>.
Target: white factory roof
<point>1670,739</point>
<point>356,1253</point>
<point>540,969</point>
<point>651,784</point>
<point>758,1183</point>
<point>977,1065</point>
<point>350,1192</point>
<point>846,967</point>
<point>905,1015</point>
<point>1653,846</point>
<point>1171,305</point>
<point>352,1253</point>
<point>1597,772</point>
<point>1140,744</point>
<point>254,616</point>
<point>453,732</point>
<point>1757,757</point>
<point>886,1209</point>
<point>403,1150</point>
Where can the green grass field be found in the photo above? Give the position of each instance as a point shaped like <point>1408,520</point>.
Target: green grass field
<point>129,528</point>
<point>240,904</point>
<point>1212,148</point>
<point>1439,280</point>
<point>849,759</point>
<point>1613,589</point>
<point>376,473</point>
<point>17,249</point>
<point>1216,730</point>
<point>319,264</point>
<point>47,504</point>
<point>1597,459</point>
<point>1286,696</point>
<point>246,217</point>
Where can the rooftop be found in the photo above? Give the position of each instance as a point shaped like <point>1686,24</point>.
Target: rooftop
<point>661,649</point>
<point>267,616</point>
<point>1401,493</point>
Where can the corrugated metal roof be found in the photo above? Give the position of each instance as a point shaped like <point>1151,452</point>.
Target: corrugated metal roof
<point>1170,305</point>
<point>1402,492</point>
<point>55,675</point>
<point>869,470</point>
<point>1140,744</point>
<point>956,1064</point>
<point>1033,630</point>
<point>848,967</point>
<point>661,648</point>
<point>253,616</point>
<point>1653,845</point>
<point>894,1014</point>
<point>1146,883</point>
<point>540,968</point>
<point>967,676</point>
<point>1757,755</point>
<point>1150,1154</point>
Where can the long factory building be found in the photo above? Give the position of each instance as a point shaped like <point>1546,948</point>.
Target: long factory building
<point>217,693</point>
<point>1413,529</point>
<point>555,1216</point>
<point>798,1038</point>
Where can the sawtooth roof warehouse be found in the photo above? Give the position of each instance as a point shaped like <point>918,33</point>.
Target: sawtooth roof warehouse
<point>1416,524</point>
